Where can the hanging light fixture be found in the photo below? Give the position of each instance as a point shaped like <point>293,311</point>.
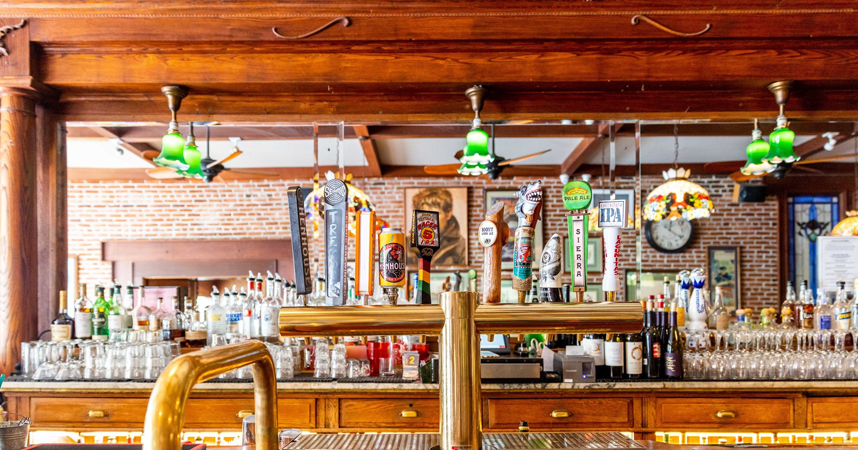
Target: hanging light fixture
<point>677,197</point>
<point>192,155</point>
<point>849,225</point>
<point>782,138</point>
<point>475,155</point>
<point>757,149</point>
<point>172,144</point>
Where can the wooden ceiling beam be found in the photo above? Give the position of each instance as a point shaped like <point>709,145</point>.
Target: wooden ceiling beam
<point>586,149</point>
<point>370,152</point>
<point>817,144</point>
<point>139,149</point>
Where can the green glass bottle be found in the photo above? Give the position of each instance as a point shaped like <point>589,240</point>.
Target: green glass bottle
<point>116,313</point>
<point>99,315</point>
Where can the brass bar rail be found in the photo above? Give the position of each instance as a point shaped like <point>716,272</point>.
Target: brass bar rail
<point>608,317</point>
<point>165,414</point>
<point>361,320</point>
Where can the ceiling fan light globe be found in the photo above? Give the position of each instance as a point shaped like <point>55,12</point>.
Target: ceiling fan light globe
<point>781,147</point>
<point>193,157</point>
<point>172,152</point>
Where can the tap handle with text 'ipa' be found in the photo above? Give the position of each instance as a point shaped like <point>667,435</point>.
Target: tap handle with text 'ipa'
<point>426,238</point>
<point>298,231</point>
<point>336,234</point>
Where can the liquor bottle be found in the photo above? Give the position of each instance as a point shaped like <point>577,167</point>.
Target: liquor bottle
<point>170,328</point>
<point>246,313</point>
<point>661,330</point>
<point>789,302</point>
<point>156,315</point>
<point>720,316</point>
<point>840,312</point>
<point>594,346</point>
<point>673,351</point>
<point>807,308</point>
<point>614,354</point>
<point>233,316</point>
<point>660,305</point>
<point>62,327</point>
<point>652,347</point>
<point>853,307</point>
<point>634,355</point>
<point>184,316</point>
<point>100,308</point>
<point>697,305</point>
<point>269,327</point>
<point>197,332</point>
<point>141,312</point>
<point>128,304</point>
<point>116,313</point>
<point>252,313</point>
<point>216,317</point>
<point>83,315</point>
<point>258,301</point>
<point>822,312</point>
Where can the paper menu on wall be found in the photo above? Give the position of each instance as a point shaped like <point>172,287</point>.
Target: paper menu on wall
<point>837,260</point>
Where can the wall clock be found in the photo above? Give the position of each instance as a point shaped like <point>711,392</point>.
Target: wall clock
<point>669,236</point>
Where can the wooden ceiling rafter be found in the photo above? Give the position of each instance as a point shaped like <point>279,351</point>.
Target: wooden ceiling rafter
<point>370,151</point>
<point>138,149</point>
<point>586,149</point>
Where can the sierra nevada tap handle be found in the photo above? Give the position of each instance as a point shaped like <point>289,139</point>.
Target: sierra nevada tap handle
<point>298,231</point>
<point>336,221</point>
<point>577,197</point>
<point>426,238</point>
<point>494,233</point>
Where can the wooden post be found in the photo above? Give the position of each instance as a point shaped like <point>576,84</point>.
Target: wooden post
<point>51,198</point>
<point>492,259</point>
<point>18,225</point>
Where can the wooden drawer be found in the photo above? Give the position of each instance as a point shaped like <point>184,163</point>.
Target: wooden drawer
<point>226,413</point>
<point>832,412</point>
<point>420,413</point>
<point>560,413</point>
<point>693,413</point>
<point>88,412</point>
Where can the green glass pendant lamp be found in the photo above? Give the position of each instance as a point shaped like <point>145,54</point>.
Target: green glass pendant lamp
<point>475,155</point>
<point>757,150</point>
<point>172,145</point>
<point>192,156</point>
<point>782,138</point>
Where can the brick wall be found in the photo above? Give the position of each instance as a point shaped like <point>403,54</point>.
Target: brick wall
<point>247,210</point>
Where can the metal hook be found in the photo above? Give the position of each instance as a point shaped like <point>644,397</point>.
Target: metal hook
<point>344,20</point>
<point>636,19</point>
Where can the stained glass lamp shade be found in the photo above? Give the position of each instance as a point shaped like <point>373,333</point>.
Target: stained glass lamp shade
<point>781,144</point>
<point>757,149</point>
<point>847,226</point>
<point>678,198</point>
<point>172,151</point>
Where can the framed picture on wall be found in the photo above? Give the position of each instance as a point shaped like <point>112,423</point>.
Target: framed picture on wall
<point>651,283</point>
<point>452,207</point>
<point>593,293</point>
<point>723,268</point>
<point>508,198</point>
<point>594,255</point>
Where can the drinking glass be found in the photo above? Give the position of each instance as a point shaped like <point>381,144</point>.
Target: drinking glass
<point>354,368</point>
<point>322,362</point>
<point>26,358</point>
<point>338,361</point>
<point>153,361</point>
<point>134,355</point>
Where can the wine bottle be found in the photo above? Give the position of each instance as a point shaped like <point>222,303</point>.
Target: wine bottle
<point>673,351</point>
<point>652,348</point>
<point>634,355</point>
<point>614,355</point>
<point>593,346</point>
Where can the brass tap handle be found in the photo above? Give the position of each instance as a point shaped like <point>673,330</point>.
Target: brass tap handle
<point>726,414</point>
<point>244,413</point>
<point>409,414</point>
<point>560,414</point>
<point>96,414</point>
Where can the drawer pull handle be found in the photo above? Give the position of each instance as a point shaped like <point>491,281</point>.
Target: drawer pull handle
<point>725,414</point>
<point>95,414</point>
<point>244,413</point>
<point>560,414</point>
<point>409,414</point>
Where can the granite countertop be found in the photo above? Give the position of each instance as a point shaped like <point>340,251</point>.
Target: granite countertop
<point>23,385</point>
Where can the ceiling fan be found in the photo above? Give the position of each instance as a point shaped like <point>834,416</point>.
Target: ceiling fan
<point>475,158</point>
<point>210,167</point>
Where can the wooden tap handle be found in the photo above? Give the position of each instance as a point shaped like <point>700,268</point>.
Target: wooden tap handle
<point>492,260</point>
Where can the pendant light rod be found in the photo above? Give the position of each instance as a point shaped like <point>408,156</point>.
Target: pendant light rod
<point>781,90</point>
<point>208,144</point>
<point>477,95</point>
<point>174,94</point>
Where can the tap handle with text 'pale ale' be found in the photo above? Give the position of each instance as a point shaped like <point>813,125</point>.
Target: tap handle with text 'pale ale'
<point>365,253</point>
<point>527,209</point>
<point>494,233</point>
<point>336,222</point>
<point>426,238</point>
<point>298,231</point>
<point>577,197</point>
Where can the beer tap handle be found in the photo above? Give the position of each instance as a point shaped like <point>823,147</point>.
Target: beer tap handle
<point>298,231</point>
<point>336,221</point>
<point>527,208</point>
<point>494,233</point>
<point>426,238</point>
<point>365,253</point>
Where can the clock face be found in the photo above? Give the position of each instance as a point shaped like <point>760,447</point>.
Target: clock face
<point>669,236</point>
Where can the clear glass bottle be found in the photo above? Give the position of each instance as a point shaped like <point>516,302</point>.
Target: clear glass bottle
<point>807,308</point>
<point>741,321</point>
<point>252,323</point>
<point>216,317</point>
<point>841,314</point>
<point>141,312</point>
<point>246,313</point>
<point>156,315</point>
<point>100,309</point>
<point>170,327</point>
<point>83,315</point>
<point>233,316</point>
<point>63,325</point>
<point>853,307</point>
<point>822,312</point>
<point>128,304</point>
<point>789,302</point>
<point>269,326</point>
<point>720,318</point>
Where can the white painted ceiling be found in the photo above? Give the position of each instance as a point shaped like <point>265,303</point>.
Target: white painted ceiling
<point>96,153</point>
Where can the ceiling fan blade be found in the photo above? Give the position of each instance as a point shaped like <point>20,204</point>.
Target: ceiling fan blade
<point>822,160</point>
<point>507,162</point>
<point>220,179</point>
<point>723,166</point>
<point>254,172</point>
<point>443,169</point>
<point>232,156</point>
<point>163,173</point>
<point>739,177</point>
<point>149,154</point>
<point>807,169</point>
<point>459,154</point>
